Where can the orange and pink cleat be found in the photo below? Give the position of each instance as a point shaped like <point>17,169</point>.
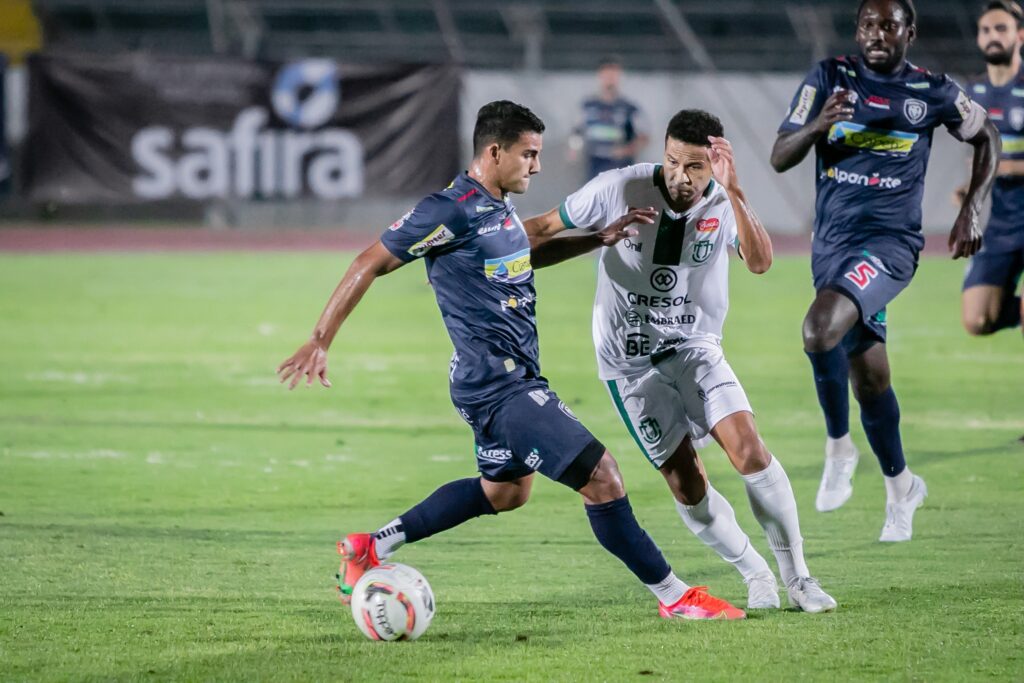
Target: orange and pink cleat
<point>357,555</point>
<point>697,603</point>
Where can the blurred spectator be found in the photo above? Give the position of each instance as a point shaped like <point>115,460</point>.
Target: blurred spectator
<point>613,130</point>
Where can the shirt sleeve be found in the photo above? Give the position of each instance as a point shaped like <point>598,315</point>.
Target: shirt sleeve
<point>588,206</point>
<point>731,233</point>
<point>433,223</point>
<point>962,116</point>
<point>807,103</point>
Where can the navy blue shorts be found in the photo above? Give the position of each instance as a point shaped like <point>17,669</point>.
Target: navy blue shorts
<point>871,275</point>
<point>529,429</point>
<point>998,269</point>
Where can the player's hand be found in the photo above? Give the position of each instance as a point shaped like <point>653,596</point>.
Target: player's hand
<point>965,238</point>
<point>309,361</point>
<point>838,107</point>
<point>620,229</point>
<point>723,168</point>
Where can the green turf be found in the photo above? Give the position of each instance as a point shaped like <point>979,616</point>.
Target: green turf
<point>169,512</point>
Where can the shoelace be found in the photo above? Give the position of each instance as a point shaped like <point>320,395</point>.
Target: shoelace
<point>699,596</point>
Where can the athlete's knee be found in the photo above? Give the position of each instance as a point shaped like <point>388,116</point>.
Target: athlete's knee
<point>819,331</point>
<point>750,456</point>
<point>605,484</point>
<point>869,382</point>
<point>507,496</point>
<point>977,324</point>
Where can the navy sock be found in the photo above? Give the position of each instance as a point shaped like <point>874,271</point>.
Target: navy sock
<point>620,534</point>
<point>449,506</point>
<point>831,378</point>
<point>1009,314</point>
<point>880,416</point>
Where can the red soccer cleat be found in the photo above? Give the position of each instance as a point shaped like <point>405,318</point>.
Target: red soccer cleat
<point>357,555</point>
<point>697,603</point>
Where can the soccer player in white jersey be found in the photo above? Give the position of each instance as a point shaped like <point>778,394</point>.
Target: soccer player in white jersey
<point>662,296</point>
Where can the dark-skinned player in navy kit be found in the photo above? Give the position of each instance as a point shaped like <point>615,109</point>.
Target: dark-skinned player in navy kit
<point>480,264</point>
<point>870,119</point>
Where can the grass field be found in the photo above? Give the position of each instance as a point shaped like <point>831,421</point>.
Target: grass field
<point>169,512</point>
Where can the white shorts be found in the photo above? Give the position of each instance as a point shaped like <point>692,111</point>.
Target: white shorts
<point>686,394</point>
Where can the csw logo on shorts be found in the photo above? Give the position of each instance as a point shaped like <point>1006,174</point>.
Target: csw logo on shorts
<point>856,136</point>
<point>513,268</point>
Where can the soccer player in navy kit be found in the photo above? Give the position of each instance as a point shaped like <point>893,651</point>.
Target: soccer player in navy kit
<point>870,119</point>
<point>990,301</point>
<point>478,260</point>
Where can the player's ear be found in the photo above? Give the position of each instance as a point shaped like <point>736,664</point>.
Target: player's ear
<point>493,151</point>
<point>911,34</point>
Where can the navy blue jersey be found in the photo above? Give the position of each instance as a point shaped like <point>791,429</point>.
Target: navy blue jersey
<point>870,171</point>
<point>1005,107</point>
<point>478,261</point>
<point>607,125</point>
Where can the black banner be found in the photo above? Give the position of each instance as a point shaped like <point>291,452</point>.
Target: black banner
<point>5,157</point>
<point>142,128</point>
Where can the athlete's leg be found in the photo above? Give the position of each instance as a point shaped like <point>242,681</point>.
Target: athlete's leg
<point>880,415</point>
<point>982,310</point>
<point>708,514</point>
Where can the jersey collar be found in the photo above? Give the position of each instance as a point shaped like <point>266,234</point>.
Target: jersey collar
<point>483,190</point>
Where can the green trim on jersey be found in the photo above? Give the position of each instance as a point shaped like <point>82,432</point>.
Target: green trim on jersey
<point>564,215</point>
<point>620,406</point>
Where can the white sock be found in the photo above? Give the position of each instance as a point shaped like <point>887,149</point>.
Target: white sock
<point>897,488</point>
<point>774,506</point>
<point>389,538</point>
<point>713,521</point>
<point>670,591</point>
<point>841,448</point>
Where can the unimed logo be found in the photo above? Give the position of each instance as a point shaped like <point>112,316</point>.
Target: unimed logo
<point>251,159</point>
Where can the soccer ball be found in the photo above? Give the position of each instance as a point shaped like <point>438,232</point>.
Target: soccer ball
<point>392,602</point>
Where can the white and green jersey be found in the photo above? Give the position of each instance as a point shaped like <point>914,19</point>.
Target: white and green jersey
<point>665,288</point>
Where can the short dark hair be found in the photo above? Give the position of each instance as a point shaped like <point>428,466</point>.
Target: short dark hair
<point>907,5</point>
<point>609,60</point>
<point>1007,6</point>
<point>693,126</point>
<point>503,122</point>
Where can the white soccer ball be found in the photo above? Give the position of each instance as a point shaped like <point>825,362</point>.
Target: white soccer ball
<point>392,602</point>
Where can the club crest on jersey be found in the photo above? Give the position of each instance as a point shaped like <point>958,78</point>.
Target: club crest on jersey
<point>1017,118</point>
<point>707,225</point>
<point>915,111</point>
<point>513,268</point>
<point>702,250</point>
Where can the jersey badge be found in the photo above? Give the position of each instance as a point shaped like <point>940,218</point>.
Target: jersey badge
<point>702,250</point>
<point>916,110</point>
<point>707,225</point>
<point>1017,118</point>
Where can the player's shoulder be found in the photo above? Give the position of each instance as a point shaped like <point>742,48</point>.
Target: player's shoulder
<point>718,198</point>
<point>620,177</point>
<point>452,204</point>
<point>830,67</point>
<point>927,83</point>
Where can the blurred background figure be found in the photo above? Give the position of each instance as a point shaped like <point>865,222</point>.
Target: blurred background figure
<point>613,129</point>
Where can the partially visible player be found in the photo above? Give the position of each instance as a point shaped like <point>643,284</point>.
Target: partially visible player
<point>662,297</point>
<point>870,119</point>
<point>990,301</point>
<point>478,259</point>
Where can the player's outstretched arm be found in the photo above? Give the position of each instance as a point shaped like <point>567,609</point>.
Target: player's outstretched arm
<point>552,251</point>
<point>310,361</point>
<point>791,148</point>
<point>755,244</point>
<point>965,238</point>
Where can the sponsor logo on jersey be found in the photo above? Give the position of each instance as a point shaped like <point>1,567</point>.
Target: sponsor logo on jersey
<point>638,344</point>
<point>915,110</point>
<point>636,299</point>
<point>453,365</point>
<point>1017,92</point>
<point>1013,144</point>
<point>856,136</point>
<point>514,302</point>
<point>803,105</point>
<point>634,319</point>
<point>565,409</point>
<point>401,221</point>
<point>664,279</point>
<point>633,246</point>
<point>685,319</point>
<point>484,208</point>
<point>877,102</point>
<point>873,180</point>
<point>919,86</point>
<point>850,73</point>
<point>513,268</point>
<point>707,225</point>
<point>862,275</point>
<point>650,430</point>
<point>702,251</point>
<point>540,397</point>
<point>963,104</point>
<point>995,114</point>
<point>1017,118</point>
<point>441,235</point>
<point>980,89</point>
<point>704,394</point>
<point>494,454</point>
<point>489,229</point>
